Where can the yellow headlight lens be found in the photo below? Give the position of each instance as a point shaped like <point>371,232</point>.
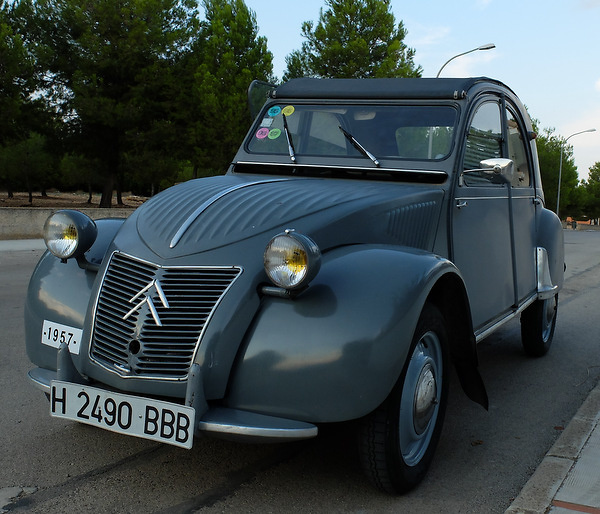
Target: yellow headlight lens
<point>65,231</point>
<point>60,234</point>
<point>291,260</point>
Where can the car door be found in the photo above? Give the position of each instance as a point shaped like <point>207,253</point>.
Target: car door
<point>489,216</point>
<point>523,205</point>
<point>481,237</point>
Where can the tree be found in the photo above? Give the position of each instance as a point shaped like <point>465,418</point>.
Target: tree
<point>107,69</point>
<point>228,55</point>
<point>353,39</point>
<point>578,203</point>
<point>24,121</point>
<point>549,149</point>
<point>592,187</point>
<point>16,77</point>
<point>27,164</point>
<point>79,172</point>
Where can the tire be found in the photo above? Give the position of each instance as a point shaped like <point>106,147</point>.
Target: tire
<point>398,440</point>
<point>538,322</point>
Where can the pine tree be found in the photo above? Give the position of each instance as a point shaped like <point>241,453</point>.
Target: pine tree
<point>107,70</point>
<point>353,39</point>
<point>230,54</point>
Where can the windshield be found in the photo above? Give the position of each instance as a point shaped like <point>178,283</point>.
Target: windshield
<point>415,132</point>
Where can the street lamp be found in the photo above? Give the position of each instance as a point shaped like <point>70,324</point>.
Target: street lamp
<point>560,165</point>
<point>489,46</point>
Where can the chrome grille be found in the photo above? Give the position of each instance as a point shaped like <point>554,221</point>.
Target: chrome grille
<point>149,319</point>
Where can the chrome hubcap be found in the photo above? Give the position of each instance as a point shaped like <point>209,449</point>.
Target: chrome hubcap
<point>421,394</point>
<point>425,399</point>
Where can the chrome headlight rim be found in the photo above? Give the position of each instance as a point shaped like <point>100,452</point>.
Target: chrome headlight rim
<point>291,260</point>
<point>69,234</point>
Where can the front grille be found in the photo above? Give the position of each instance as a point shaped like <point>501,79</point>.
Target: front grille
<point>149,319</point>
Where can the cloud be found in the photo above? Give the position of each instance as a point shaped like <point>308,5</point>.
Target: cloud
<point>585,146</point>
<point>426,35</point>
<point>583,120</point>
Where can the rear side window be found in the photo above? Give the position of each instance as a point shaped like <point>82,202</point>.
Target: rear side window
<point>517,151</point>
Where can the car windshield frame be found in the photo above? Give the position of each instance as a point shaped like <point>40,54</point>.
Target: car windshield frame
<point>349,131</point>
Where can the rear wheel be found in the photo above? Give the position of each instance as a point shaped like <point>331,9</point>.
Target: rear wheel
<point>398,440</point>
<point>537,326</point>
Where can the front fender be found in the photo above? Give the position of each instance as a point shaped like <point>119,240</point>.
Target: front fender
<point>60,292</point>
<point>335,352</point>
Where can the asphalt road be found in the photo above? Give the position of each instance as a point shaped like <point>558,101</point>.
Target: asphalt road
<point>482,462</point>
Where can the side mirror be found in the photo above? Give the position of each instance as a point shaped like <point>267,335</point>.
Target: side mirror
<point>499,168</point>
<point>258,92</point>
<point>495,171</point>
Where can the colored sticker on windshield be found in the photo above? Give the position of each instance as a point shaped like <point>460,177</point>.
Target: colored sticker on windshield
<point>266,122</point>
<point>275,133</point>
<point>262,133</point>
<point>274,111</point>
<point>288,110</point>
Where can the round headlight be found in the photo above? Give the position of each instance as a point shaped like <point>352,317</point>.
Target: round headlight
<point>69,234</point>
<point>292,260</point>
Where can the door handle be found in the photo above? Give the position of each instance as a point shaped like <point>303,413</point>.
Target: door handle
<point>461,203</point>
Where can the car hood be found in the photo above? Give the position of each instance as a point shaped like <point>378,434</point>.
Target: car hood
<point>209,213</point>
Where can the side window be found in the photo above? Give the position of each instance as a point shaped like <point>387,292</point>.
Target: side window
<point>484,139</point>
<point>517,151</point>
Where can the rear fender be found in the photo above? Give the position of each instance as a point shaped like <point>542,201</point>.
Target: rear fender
<point>550,237</point>
<point>335,352</point>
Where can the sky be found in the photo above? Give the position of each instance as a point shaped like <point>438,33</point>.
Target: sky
<point>547,52</point>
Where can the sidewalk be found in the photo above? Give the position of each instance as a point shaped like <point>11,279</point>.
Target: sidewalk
<point>568,479</point>
<point>21,244</point>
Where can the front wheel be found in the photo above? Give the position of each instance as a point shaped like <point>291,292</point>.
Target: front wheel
<point>537,326</point>
<point>398,440</point>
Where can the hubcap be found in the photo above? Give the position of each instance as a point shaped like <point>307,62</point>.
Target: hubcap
<point>425,399</point>
<point>421,394</point>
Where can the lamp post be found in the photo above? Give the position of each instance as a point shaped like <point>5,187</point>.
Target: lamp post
<point>560,166</point>
<point>489,46</point>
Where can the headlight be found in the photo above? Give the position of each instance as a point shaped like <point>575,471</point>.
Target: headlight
<point>292,260</point>
<point>69,234</point>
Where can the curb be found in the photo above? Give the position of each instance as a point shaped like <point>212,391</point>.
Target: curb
<point>539,494</point>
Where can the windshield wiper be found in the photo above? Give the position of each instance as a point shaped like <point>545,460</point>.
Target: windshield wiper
<point>359,147</point>
<point>288,136</point>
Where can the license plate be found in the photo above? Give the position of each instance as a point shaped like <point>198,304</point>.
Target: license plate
<point>53,334</point>
<point>126,414</point>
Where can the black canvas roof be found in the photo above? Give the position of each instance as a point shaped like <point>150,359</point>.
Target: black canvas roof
<point>395,88</point>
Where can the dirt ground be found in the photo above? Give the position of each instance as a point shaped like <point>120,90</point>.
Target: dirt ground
<point>56,199</point>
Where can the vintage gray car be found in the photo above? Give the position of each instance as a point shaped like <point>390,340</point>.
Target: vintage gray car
<point>368,234</point>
